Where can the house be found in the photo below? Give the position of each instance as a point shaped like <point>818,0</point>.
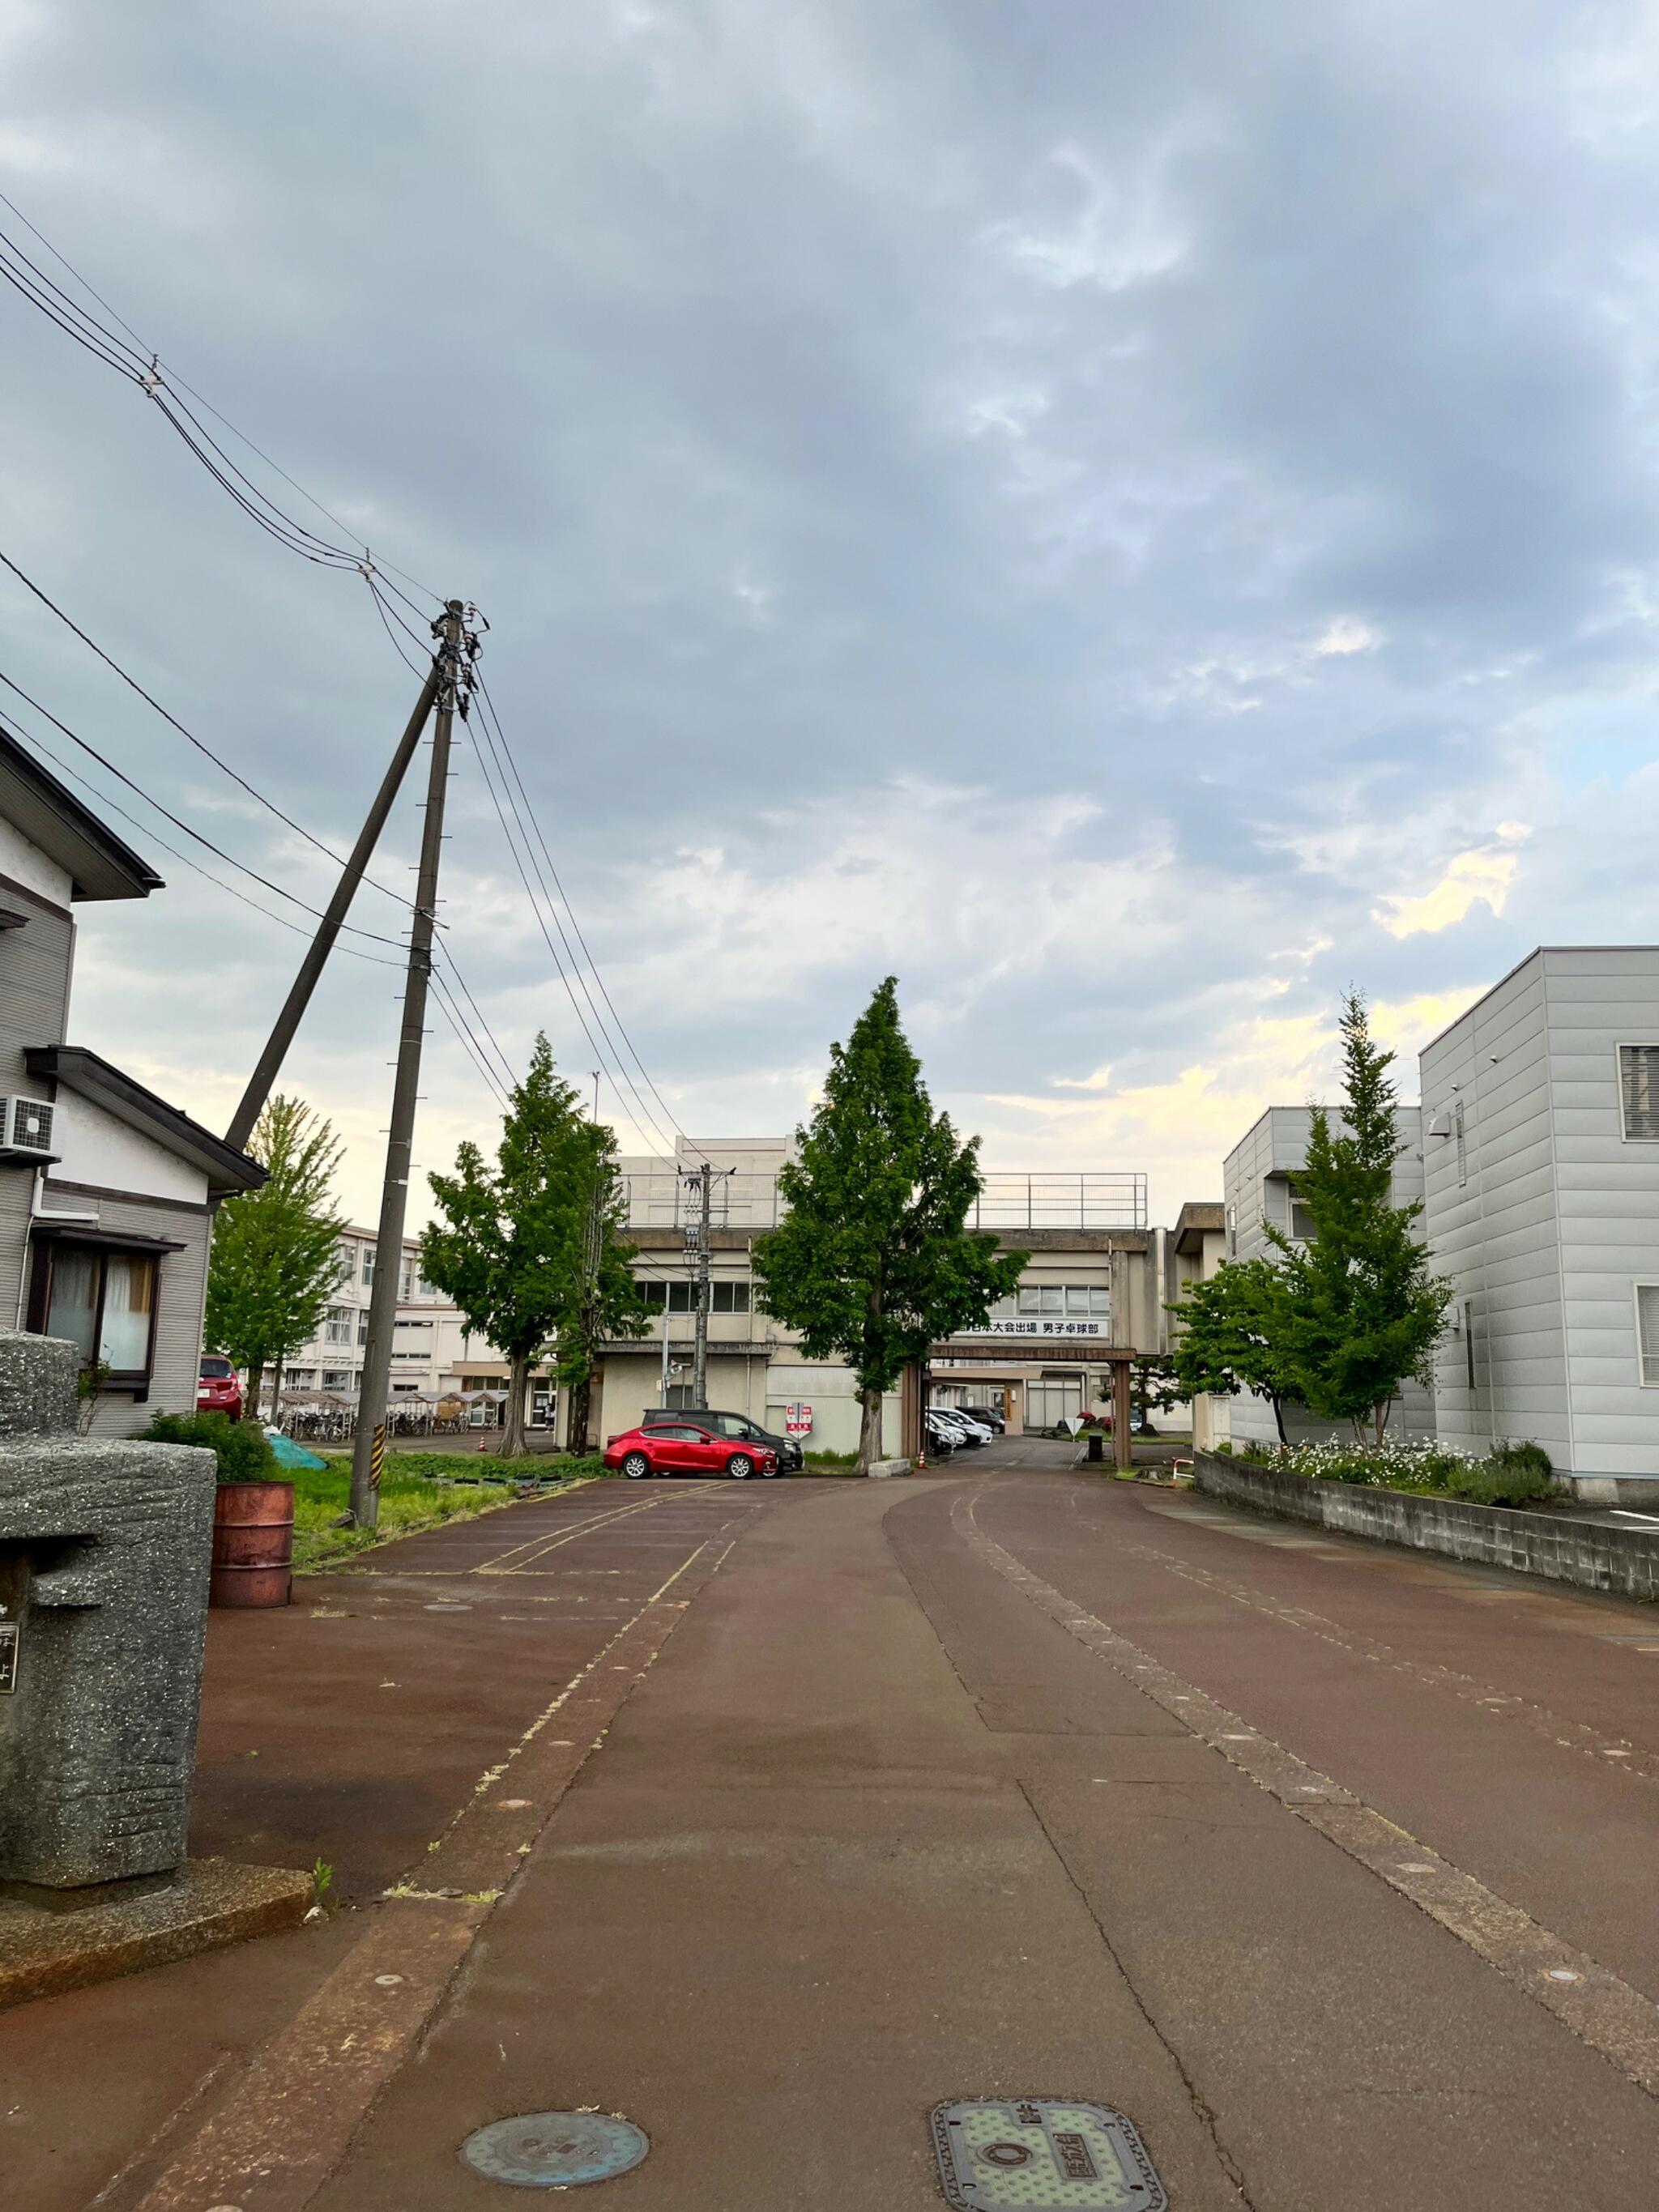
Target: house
<point>1257,1180</point>
<point>1541,1140</point>
<point>107,1192</point>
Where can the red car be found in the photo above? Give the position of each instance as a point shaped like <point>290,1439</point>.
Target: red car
<point>687,1447</point>
<point>220,1390</point>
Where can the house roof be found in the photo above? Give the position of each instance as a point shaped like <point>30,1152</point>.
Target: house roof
<point>226,1169</point>
<point>48,812</point>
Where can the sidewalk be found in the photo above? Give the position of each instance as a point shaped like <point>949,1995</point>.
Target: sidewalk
<point>359,1727</point>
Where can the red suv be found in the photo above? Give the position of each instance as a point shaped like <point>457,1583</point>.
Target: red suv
<point>686,1447</point>
<point>220,1390</point>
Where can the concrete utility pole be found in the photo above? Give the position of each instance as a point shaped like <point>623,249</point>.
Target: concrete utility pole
<point>369,1446</point>
<point>702,1180</point>
<point>294,1006</point>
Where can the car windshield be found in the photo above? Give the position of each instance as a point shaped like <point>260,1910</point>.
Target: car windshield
<point>214,1370</point>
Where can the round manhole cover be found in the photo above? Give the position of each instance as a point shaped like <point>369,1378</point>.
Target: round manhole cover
<point>555,2150</point>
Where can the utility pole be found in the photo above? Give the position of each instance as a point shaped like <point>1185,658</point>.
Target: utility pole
<point>299,998</point>
<point>369,1446</point>
<point>703,1181</point>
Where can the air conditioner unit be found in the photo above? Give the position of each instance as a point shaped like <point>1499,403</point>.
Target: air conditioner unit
<point>26,1125</point>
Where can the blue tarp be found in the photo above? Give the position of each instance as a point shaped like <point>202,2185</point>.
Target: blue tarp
<point>288,1454</point>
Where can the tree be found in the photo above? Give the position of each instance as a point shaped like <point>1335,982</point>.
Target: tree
<point>1152,1385</point>
<point>527,1247</point>
<point>1233,1332</point>
<point>276,1255</point>
<point>1363,1309</point>
<point>872,1263</point>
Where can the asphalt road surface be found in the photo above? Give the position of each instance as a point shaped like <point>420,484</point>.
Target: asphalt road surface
<point>1333,1867</point>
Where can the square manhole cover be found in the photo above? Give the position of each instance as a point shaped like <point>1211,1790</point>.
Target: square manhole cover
<point>1042,2151</point>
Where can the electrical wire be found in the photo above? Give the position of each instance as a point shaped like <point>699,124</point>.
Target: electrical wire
<point>177,822</point>
<point>32,743</point>
<point>619,1074</point>
<point>201,745</point>
<point>552,869</point>
<point>469,1042</point>
<point>501,814</point>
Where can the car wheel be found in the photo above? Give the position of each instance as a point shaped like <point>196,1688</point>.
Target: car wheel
<point>775,1469</point>
<point>635,1465</point>
<point>739,1466</point>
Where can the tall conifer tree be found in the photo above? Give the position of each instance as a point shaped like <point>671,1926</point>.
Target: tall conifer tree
<point>872,1263</point>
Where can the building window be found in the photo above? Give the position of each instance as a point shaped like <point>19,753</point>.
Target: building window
<point>1091,1299</point>
<point>336,1326</point>
<point>368,1266</point>
<point>1639,1092</point>
<point>362,1326</point>
<point>1647,1333</point>
<point>680,1297</point>
<point>105,1301</point>
<point>1232,1232</point>
<point>299,1378</point>
<point>1301,1224</point>
<point>1469,1342</point>
<point>729,1297</point>
<point>336,1378</point>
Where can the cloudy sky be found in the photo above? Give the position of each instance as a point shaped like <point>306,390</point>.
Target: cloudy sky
<point>1131,517</point>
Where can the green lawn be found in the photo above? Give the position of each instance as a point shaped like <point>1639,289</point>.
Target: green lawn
<point>418,1490</point>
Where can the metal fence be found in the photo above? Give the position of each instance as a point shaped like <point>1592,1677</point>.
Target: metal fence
<point>1108,1199</point>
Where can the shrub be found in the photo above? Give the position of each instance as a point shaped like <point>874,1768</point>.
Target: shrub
<point>1510,1474</point>
<point>240,1446</point>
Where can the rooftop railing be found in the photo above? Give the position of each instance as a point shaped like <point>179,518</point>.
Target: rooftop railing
<point>1107,1199</point>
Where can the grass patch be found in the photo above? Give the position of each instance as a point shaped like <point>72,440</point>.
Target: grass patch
<point>418,1490</point>
<point>830,1461</point>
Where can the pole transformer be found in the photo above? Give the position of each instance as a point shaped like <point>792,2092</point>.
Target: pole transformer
<point>451,671</point>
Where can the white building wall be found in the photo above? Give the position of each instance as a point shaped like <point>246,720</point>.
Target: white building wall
<point>1256,1192</point>
<point>1492,1221</point>
<point>94,1147</point>
<point>1607,1201</point>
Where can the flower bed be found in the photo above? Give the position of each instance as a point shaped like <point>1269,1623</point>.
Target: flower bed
<point>1509,1474</point>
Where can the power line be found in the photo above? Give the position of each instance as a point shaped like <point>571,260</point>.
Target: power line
<point>172,719</point>
<point>501,812</point>
<point>32,741</point>
<point>177,822</point>
<point>593,967</point>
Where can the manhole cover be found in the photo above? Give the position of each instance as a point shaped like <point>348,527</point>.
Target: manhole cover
<point>557,2150</point>
<point>1042,2151</point>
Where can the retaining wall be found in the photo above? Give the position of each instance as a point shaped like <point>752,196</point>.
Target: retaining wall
<point>1588,1553</point>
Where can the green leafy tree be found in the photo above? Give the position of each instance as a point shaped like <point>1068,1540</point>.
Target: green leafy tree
<point>275,1256</point>
<point>1152,1385</point>
<point>1233,1336</point>
<point>527,1247</point>
<point>1364,1309</point>
<point>872,1263</point>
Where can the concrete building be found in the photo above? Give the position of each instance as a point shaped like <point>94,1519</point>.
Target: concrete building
<point>107,1192</point>
<point>1093,1284</point>
<point>1542,1135</point>
<point>1256,1180</point>
<point>433,1353</point>
<point>1196,1246</point>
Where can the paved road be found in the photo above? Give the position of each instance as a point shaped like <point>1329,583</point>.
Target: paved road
<point>1334,1868</point>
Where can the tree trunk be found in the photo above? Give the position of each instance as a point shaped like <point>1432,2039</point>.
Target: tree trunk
<point>870,1433</point>
<point>576,1427</point>
<point>256,1376</point>
<point>517,1382</point>
<point>277,1391</point>
<point>1278,1422</point>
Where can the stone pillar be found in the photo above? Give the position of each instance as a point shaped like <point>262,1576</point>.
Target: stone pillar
<point>105,1550</point>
